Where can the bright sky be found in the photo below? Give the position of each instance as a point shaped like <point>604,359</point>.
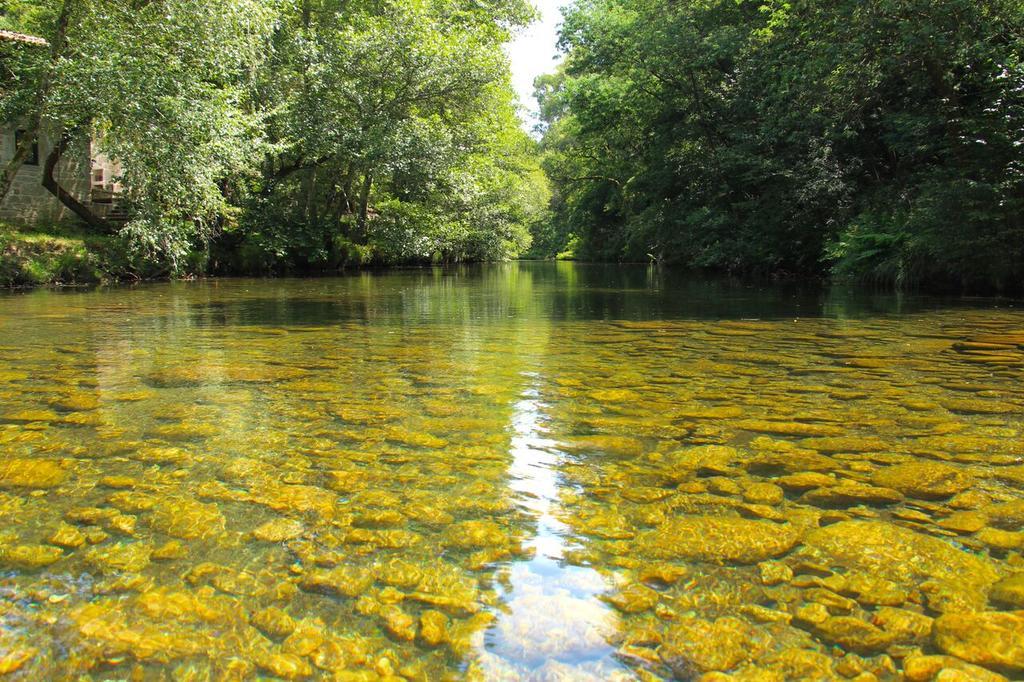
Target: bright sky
<point>534,53</point>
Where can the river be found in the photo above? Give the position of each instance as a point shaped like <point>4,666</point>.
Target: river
<point>525,471</point>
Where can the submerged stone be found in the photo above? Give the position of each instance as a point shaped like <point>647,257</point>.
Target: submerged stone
<point>1001,539</point>
<point>29,557</point>
<point>31,416</point>
<point>958,580</point>
<point>20,472</point>
<point>924,480</point>
<point>1012,475</point>
<point>433,628</point>
<point>1009,592</point>
<point>978,406</point>
<point>633,599</point>
<point>719,540</point>
<point>774,572</point>
<point>170,550</point>
<point>835,603</point>
<point>797,462</point>
<point>122,556</point>
<point>187,519</point>
<point>76,402</point>
<point>285,666</point>
<point>447,588</point>
<point>278,530</point>
<point>921,668</point>
<point>165,604</point>
<point>297,498</point>
<point>764,493</point>
<point>854,634</point>
<point>122,523</point>
<point>964,522</point>
<point>118,482</point>
<point>306,638</point>
<point>345,581</point>
<point>105,625</point>
<point>67,536</point>
<point>702,459</point>
<point>662,572</point>
<point>693,645</point>
<point>607,524</point>
<point>909,627</point>
<point>398,623</point>
<point>396,538</point>
<point>161,455</point>
<point>15,658</point>
<point>429,515</point>
<point>615,395</point>
<point>90,515</point>
<point>849,494</point>
<point>1006,515</point>
<point>991,639</point>
<point>805,481</point>
<point>845,444</point>
<point>477,533</point>
<point>872,590</point>
<point>798,664</point>
<point>379,518</point>
<point>645,495</point>
<point>132,501</point>
<point>790,428</point>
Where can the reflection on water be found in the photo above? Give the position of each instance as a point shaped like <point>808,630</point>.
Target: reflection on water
<point>523,472</point>
<point>550,622</point>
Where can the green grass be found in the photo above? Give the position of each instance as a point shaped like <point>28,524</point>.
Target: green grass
<point>55,255</point>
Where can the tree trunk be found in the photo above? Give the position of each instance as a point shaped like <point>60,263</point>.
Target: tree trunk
<point>74,205</point>
<point>364,204</point>
<point>32,132</point>
<point>338,209</point>
<point>346,190</point>
<point>312,217</point>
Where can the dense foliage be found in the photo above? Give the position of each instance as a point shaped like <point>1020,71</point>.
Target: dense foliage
<point>297,134</point>
<point>880,139</point>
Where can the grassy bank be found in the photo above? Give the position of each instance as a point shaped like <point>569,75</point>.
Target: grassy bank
<point>68,255</point>
<point>62,255</point>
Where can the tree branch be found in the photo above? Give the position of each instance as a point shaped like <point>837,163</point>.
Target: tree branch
<point>74,205</point>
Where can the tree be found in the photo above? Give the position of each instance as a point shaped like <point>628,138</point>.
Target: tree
<point>379,128</point>
<point>793,136</point>
<point>292,135</point>
<point>21,103</point>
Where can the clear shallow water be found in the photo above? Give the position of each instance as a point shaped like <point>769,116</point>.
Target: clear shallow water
<point>524,471</point>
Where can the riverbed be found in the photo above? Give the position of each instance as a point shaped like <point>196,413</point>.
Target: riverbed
<point>525,471</point>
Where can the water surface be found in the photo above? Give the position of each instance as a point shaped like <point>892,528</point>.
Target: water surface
<point>511,472</point>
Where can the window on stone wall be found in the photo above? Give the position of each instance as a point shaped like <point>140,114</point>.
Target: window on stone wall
<point>33,156</point>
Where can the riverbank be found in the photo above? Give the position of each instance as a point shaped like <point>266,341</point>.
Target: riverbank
<point>66,255</point>
<point>60,255</point>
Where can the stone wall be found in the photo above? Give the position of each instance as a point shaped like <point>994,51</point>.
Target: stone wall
<point>28,202</point>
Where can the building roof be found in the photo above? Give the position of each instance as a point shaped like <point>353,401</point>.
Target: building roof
<point>11,36</point>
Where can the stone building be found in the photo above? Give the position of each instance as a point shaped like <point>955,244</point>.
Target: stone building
<point>89,177</point>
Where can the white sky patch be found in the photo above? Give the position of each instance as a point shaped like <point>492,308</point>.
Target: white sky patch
<point>534,52</point>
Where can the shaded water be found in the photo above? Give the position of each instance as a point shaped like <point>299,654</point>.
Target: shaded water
<point>524,471</point>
